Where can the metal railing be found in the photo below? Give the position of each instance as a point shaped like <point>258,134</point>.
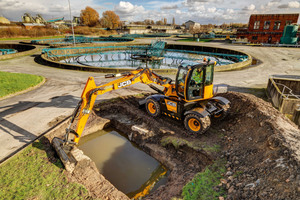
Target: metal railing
<point>7,51</point>
<point>82,39</point>
<point>287,92</point>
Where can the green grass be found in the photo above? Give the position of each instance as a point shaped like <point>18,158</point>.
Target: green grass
<point>14,82</point>
<point>203,185</point>
<point>196,145</point>
<point>30,175</point>
<point>194,40</point>
<point>32,38</point>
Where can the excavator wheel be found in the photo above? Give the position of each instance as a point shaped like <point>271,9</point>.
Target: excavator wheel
<point>153,108</point>
<point>196,124</point>
<point>220,116</point>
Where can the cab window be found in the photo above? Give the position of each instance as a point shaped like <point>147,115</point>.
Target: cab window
<point>195,88</point>
<point>182,73</point>
<point>209,75</point>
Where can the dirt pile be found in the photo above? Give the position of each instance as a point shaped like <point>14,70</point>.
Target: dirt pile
<point>262,151</point>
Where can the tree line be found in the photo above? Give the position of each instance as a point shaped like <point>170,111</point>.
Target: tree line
<point>90,17</point>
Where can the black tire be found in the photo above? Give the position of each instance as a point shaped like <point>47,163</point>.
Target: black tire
<point>195,124</point>
<point>153,108</point>
<point>222,114</point>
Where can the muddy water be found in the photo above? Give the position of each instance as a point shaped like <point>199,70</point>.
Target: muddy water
<point>128,168</point>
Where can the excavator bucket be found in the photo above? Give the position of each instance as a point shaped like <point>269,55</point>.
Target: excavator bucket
<point>64,153</point>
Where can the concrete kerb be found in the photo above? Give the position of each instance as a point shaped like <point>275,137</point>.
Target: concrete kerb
<point>63,123</point>
<point>230,67</point>
<point>235,66</point>
<point>33,50</point>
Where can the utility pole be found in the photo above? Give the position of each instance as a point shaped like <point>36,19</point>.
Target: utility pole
<point>72,23</point>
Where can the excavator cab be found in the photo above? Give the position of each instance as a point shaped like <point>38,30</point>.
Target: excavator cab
<point>195,82</point>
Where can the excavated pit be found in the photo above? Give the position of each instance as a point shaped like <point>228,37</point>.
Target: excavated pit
<point>260,146</point>
<point>126,166</point>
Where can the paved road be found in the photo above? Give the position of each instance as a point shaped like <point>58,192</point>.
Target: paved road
<point>26,116</point>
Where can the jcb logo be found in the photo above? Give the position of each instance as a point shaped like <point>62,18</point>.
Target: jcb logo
<point>125,83</point>
<point>171,103</point>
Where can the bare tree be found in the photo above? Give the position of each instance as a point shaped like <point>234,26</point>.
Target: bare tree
<point>159,22</point>
<point>199,30</point>
<point>165,21</point>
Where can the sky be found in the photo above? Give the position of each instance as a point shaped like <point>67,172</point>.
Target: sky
<point>201,11</point>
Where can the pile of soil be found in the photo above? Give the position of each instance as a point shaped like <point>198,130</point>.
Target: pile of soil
<point>260,145</point>
<point>262,149</point>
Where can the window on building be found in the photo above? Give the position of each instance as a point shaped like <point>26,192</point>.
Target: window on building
<point>256,24</point>
<point>267,25</point>
<point>276,25</point>
<point>288,22</point>
<point>254,37</point>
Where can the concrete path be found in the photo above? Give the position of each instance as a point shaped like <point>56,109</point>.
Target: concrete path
<point>26,116</point>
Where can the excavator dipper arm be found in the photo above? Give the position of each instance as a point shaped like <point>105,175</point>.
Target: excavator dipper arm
<point>91,91</point>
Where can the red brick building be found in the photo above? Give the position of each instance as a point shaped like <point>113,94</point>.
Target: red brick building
<point>267,28</point>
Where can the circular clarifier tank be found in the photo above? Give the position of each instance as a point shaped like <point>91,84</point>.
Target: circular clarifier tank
<point>158,55</point>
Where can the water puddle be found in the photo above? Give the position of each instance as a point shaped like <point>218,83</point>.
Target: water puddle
<point>127,167</point>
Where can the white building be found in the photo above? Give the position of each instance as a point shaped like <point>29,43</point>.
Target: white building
<point>191,25</point>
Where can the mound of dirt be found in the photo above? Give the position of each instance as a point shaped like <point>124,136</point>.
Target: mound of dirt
<point>262,149</point>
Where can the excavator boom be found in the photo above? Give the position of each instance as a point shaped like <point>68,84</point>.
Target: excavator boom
<point>88,98</point>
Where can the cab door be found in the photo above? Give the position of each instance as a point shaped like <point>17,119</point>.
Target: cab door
<point>195,82</point>
<point>200,82</point>
<point>195,85</point>
<point>181,80</point>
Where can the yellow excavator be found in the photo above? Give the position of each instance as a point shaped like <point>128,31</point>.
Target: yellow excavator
<point>189,99</point>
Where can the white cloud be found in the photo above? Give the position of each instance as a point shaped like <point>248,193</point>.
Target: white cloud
<point>14,9</point>
<point>178,12</point>
<point>251,7</point>
<point>125,7</point>
<point>128,11</point>
<point>196,7</point>
<point>169,7</point>
<point>294,4</point>
<point>58,8</point>
<point>211,10</point>
<point>291,4</point>
<point>229,11</point>
<point>272,4</point>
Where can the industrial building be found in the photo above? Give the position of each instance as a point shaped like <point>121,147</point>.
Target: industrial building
<point>3,20</point>
<point>267,28</point>
<point>191,25</point>
<point>145,29</point>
